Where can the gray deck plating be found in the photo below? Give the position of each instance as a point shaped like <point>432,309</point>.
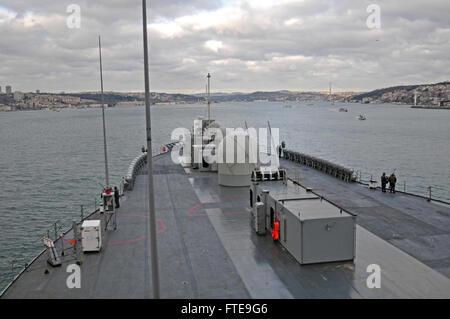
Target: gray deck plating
<point>207,249</point>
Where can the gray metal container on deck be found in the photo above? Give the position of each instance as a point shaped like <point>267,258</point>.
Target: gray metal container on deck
<point>258,219</point>
<point>311,229</point>
<point>320,233</point>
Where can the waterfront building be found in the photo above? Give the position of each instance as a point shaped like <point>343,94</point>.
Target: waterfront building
<point>18,96</point>
<point>5,107</point>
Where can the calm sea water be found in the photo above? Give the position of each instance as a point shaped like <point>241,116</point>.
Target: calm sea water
<point>52,162</point>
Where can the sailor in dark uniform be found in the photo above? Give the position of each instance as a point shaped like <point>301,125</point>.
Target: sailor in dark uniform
<point>116,196</point>
<point>384,181</point>
<point>392,181</point>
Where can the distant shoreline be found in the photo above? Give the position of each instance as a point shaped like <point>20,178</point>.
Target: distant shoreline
<point>430,107</point>
<point>141,104</point>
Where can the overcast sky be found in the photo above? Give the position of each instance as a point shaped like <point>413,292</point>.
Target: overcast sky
<point>246,45</point>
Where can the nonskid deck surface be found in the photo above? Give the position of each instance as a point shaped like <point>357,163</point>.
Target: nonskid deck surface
<point>412,224</point>
<point>207,250</point>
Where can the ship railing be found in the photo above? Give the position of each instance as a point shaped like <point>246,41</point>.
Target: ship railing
<point>430,193</point>
<point>135,166</point>
<point>57,233</point>
<point>336,170</point>
<point>139,162</point>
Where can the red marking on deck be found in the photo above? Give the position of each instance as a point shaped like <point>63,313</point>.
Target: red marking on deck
<point>161,228</point>
<point>339,204</point>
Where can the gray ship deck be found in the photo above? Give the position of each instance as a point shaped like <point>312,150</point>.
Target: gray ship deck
<point>207,249</point>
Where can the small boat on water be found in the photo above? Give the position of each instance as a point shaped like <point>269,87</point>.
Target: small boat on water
<point>361,117</point>
<point>343,109</point>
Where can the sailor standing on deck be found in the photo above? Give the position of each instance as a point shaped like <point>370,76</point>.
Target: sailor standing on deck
<point>116,196</point>
<point>392,181</point>
<point>384,181</point>
<point>281,148</point>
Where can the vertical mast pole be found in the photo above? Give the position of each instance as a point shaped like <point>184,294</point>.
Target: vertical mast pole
<point>209,96</point>
<point>103,114</point>
<point>151,197</point>
<point>330,93</point>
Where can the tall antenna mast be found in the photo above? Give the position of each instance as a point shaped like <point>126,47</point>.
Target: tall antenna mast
<point>151,196</point>
<point>209,96</point>
<point>103,114</point>
<point>206,95</point>
<point>329,96</point>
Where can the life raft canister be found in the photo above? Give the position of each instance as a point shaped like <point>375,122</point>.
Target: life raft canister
<point>276,230</point>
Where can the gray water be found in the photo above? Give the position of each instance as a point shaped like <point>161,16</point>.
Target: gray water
<point>52,162</point>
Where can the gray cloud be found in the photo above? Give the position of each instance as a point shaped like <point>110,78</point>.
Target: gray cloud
<point>246,44</point>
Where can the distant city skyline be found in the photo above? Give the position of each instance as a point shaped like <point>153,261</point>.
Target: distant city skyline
<point>247,45</point>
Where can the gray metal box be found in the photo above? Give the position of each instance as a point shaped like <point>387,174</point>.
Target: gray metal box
<point>259,218</point>
<point>311,229</point>
<point>315,231</point>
